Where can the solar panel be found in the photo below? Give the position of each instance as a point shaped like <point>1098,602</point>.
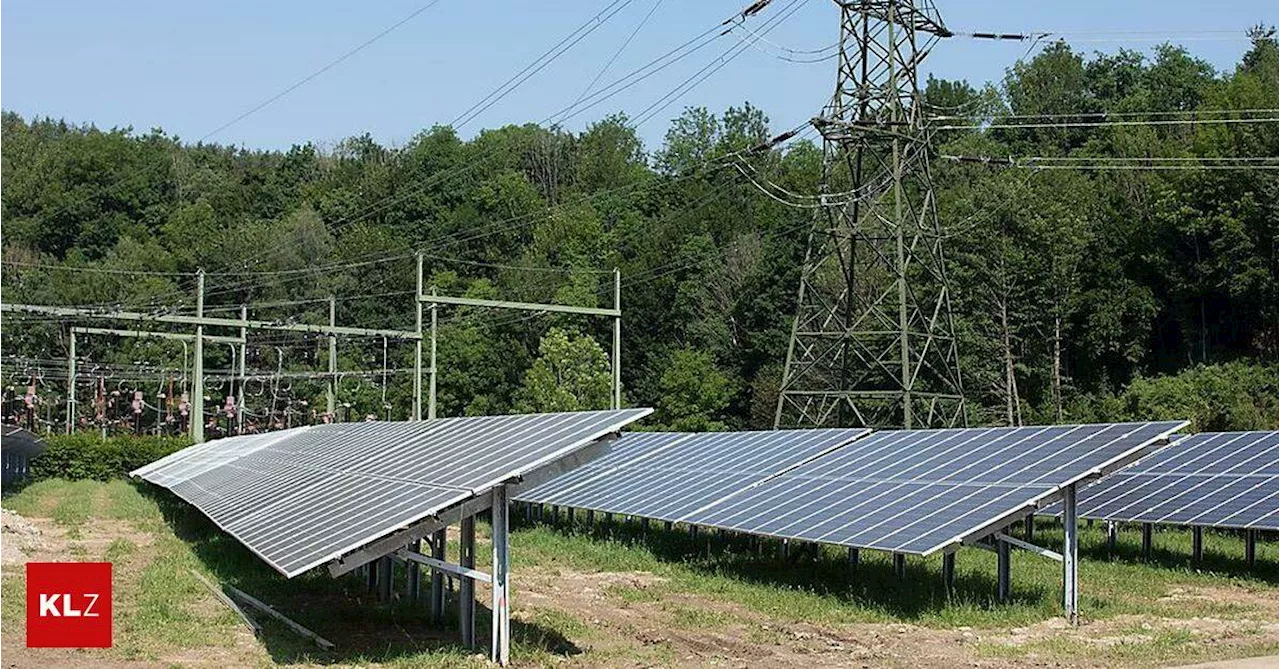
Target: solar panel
<point>667,476</point>
<point>1216,479</point>
<point>919,491</point>
<point>299,498</point>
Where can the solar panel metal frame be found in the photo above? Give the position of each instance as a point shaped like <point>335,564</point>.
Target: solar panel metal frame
<point>972,534</point>
<point>180,471</point>
<point>559,491</point>
<point>1094,500</point>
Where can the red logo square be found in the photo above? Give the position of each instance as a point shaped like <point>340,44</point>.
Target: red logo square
<point>68,604</point>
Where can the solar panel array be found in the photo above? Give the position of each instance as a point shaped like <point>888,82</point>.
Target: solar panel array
<point>1215,479</point>
<point>919,491</point>
<point>299,498</point>
<point>668,476</point>
<point>906,491</point>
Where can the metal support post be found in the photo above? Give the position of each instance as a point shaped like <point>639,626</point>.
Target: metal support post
<point>331,395</point>
<point>438,540</point>
<point>1004,582</point>
<point>71,384</point>
<point>786,548</point>
<point>466,586</point>
<point>591,519</point>
<point>417,346</point>
<point>1070,556</point>
<point>1146,541</point>
<point>900,565</point>
<point>1197,543</point>
<point>949,572</point>
<point>693,531</point>
<point>608,518</point>
<point>1029,527</point>
<point>1112,532</point>
<point>1250,547</point>
<point>240,403</point>
<point>617,340</point>
<point>644,526</point>
<point>500,642</point>
<point>555,514</point>
<point>386,575</point>
<point>668,526</point>
<point>413,576</point>
<point>431,384</point>
<point>197,390</point>
<point>854,558</point>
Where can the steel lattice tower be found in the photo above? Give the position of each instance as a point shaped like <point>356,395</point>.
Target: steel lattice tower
<point>873,343</point>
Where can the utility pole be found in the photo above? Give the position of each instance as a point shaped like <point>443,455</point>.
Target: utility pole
<point>71,384</point>
<point>431,395</point>
<point>197,394</point>
<point>873,343</point>
<point>617,339</point>
<point>244,337</point>
<point>417,346</point>
<point>332,395</point>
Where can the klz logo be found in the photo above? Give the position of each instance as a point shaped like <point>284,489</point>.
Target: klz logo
<point>68,604</point>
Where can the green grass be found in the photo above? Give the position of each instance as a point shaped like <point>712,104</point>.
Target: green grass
<point>164,610</point>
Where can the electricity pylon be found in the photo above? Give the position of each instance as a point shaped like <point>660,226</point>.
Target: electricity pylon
<point>873,343</point>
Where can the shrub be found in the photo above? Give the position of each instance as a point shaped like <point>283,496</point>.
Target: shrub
<point>1215,398</point>
<point>89,456</point>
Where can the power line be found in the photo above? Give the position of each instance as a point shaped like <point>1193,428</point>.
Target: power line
<point>618,52</point>
<point>330,65</point>
<point>578,34</point>
<point>1106,124</point>
<point>1104,115</point>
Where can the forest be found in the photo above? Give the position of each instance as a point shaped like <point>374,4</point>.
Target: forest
<point>1085,285</point>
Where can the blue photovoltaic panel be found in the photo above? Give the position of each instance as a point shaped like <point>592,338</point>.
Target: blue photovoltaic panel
<point>299,498</point>
<point>918,491</point>
<point>668,476</point>
<point>1217,479</point>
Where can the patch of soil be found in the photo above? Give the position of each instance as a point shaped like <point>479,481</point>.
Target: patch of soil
<point>20,538</point>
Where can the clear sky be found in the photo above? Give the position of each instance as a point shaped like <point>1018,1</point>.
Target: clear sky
<point>190,67</point>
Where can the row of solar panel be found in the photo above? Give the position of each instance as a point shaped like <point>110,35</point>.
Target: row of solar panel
<point>1219,479</point>
<point>906,491</point>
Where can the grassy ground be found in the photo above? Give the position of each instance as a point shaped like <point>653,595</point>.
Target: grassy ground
<point>618,597</point>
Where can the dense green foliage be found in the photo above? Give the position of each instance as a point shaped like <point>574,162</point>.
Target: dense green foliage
<point>1079,281</point>
<point>88,456</point>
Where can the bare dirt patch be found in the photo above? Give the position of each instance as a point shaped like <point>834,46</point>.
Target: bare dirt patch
<point>21,538</point>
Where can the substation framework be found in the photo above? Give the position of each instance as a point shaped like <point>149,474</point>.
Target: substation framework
<point>423,299</point>
<point>873,343</point>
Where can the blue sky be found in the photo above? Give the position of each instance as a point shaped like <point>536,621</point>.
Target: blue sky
<point>191,67</point>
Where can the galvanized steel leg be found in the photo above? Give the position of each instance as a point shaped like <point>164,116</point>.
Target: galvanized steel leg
<point>438,540</point>
<point>386,574</point>
<point>853,559</point>
<point>1112,531</point>
<point>591,519</point>
<point>644,526</point>
<point>500,642</point>
<point>412,582</point>
<point>1146,541</point>
<point>693,531</point>
<point>1004,581</point>
<point>466,586</point>
<point>948,572</point>
<point>371,575</point>
<point>1070,557</point>
<point>1197,543</point>
<point>1028,527</point>
<point>900,565</point>
<point>786,548</point>
<point>668,525</point>
<point>608,517</point>
<point>1250,547</point>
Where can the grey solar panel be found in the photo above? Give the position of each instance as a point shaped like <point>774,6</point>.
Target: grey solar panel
<point>1216,479</point>
<point>299,498</point>
<point>667,476</point>
<point>919,491</point>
